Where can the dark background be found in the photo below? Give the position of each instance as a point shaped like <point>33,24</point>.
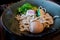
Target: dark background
<point>9,1</point>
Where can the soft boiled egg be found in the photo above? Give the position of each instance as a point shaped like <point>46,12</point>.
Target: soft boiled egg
<point>36,27</point>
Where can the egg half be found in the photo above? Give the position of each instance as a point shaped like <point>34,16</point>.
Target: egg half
<point>36,27</point>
